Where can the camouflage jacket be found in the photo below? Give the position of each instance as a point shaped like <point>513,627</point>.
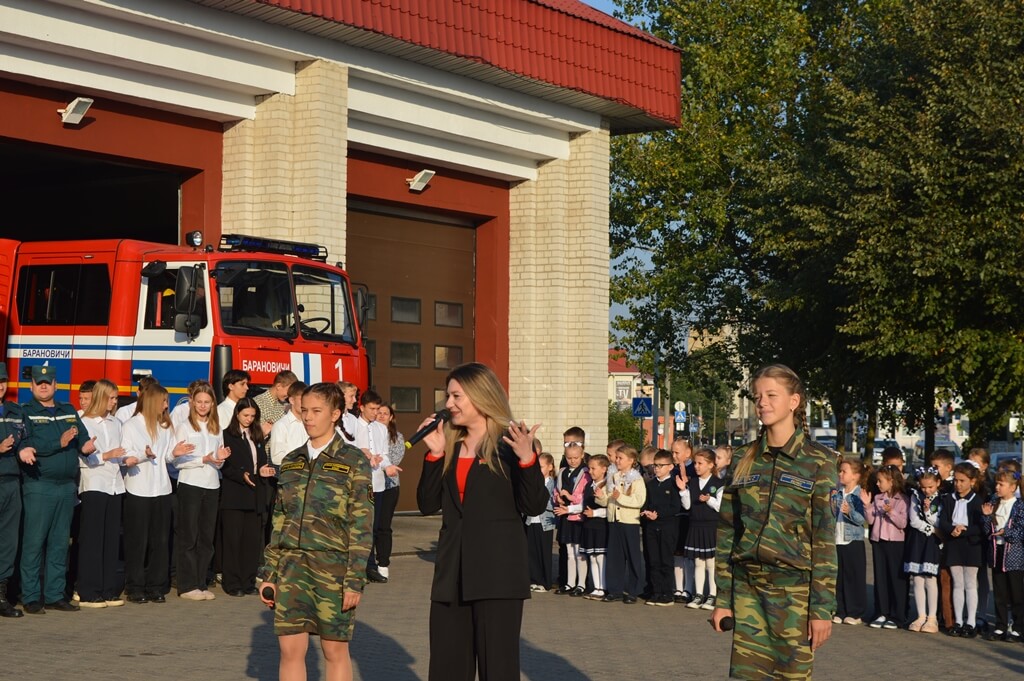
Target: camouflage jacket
<point>776,520</point>
<point>324,507</point>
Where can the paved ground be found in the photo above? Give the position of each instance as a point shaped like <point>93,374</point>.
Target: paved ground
<point>564,639</point>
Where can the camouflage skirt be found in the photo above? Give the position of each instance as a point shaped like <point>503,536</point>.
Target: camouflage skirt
<point>771,614</point>
<point>310,593</point>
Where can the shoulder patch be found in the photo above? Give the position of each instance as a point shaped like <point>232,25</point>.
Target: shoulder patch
<point>746,480</point>
<point>293,466</point>
<point>334,467</point>
<point>794,481</point>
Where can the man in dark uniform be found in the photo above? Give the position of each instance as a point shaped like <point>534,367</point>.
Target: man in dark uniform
<point>54,438</point>
<point>11,432</point>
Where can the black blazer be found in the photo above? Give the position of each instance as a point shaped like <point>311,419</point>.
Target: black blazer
<point>235,494</point>
<point>482,538</point>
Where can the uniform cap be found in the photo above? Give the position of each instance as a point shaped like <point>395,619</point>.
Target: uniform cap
<point>44,374</point>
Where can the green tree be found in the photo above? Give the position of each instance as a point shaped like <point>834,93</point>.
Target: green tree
<point>622,426</point>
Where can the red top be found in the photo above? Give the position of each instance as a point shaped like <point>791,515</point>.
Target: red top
<point>463,466</point>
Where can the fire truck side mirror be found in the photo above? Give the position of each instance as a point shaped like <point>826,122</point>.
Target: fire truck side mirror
<point>188,294</point>
<point>362,296</point>
<point>187,323</point>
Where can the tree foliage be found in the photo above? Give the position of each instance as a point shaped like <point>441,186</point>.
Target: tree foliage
<point>844,195</point>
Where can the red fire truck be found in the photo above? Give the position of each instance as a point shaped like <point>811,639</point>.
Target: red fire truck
<point>122,309</point>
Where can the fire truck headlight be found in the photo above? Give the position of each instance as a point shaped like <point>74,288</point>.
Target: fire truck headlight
<point>194,239</point>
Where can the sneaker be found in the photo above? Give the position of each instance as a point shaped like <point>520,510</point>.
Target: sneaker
<point>1012,636</point>
<point>62,606</point>
<point>208,596</point>
<point>916,624</point>
<point>930,626</point>
<point>878,623</point>
<point>611,598</point>
<point>853,620</point>
<point>98,603</point>
<point>595,595</point>
<point>695,602</point>
<point>664,601</point>
<point>889,624</point>
<point>114,602</point>
<point>708,604</point>
<point>628,599</point>
<point>837,620</point>
<point>385,572</point>
<point>193,595</point>
<point>536,587</point>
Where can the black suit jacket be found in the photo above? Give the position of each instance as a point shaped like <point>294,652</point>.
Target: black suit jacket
<point>235,494</point>
<point>481,550</point>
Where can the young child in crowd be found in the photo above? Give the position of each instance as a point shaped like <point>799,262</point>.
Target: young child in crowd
<point>660,527</point>
<point>540,531</point>
<point>1004,515</point>
<point>647,461</point>
<point>942,460</point>
<point>887,514</point>
<point>923,550</point>
<point>723,463</point>
<point>682,455</point>
<point>595,526</point>
<point>623,499</point>
<point>701,494</point>
<point>961,524</point>
<point>572,480</point>
<point>986,488</point>
<point>851,585</point>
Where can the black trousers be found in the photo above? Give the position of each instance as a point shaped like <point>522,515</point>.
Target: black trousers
<point>890,580</point>
<point>475,637</point>
<point>242,533</point>
<point>851,585</point>
<point>1008,588</point>
<point>538,554</point>
<point>384,504</point>
<point>659,549</point>
<point>624,567</point>
<point>99,544</point>
<point>193,535</point>
<point>147,524</point>
<point>563,553</point>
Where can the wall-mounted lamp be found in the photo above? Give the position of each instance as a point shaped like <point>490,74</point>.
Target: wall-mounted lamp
<point>419,182</point>
<point>75,111</point>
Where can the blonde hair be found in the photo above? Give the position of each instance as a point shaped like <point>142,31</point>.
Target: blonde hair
<point>483,389</point>
<point>153,409</point>
<point>792,383</point>
<point>213,418</point>
<point>101,393</point>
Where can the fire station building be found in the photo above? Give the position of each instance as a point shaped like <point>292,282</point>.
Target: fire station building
<point>453,154</point>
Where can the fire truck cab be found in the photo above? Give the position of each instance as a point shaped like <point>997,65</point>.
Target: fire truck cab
<point>122,309</point>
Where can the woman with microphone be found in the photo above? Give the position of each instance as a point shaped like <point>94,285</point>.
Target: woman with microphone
<point>482,473</point>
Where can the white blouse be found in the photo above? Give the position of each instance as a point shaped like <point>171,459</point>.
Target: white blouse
<point>97,475</point>
<point>191,469</point>
<point>149,477</point>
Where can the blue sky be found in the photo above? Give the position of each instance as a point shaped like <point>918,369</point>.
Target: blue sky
<point>606,6</point>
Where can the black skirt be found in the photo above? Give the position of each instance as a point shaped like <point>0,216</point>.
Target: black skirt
<point>700,541</point>
<point>595,537</point>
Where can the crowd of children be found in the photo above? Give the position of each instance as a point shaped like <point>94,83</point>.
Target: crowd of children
<point>936,535</point>
<point>631,525</point>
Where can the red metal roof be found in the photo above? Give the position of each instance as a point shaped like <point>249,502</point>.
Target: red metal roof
<point>564,43</point>
<point>618,363</point>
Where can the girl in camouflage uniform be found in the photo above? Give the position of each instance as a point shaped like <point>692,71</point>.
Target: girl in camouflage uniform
<point>776,557</point>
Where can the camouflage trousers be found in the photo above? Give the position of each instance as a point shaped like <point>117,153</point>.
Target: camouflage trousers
<point>310,594</point>
<point>770,639</point>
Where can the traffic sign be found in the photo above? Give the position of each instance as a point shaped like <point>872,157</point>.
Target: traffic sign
<point>643,407</point>
<point>680,405</point>
<point>694,426</point>
<point>680,417</point>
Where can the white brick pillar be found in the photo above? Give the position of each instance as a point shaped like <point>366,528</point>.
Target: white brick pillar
<point>285,172</point>
<point>558,321</point>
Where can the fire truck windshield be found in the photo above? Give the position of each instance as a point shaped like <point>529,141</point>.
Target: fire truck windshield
<point>260,298</point>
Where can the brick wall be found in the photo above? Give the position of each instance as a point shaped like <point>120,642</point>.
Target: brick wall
<point>285,171</point>
<point>558,324</point>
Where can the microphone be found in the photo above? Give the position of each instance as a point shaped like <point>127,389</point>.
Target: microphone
<point>440,417</point>
<point>726,624</point>
<point>268,593</point>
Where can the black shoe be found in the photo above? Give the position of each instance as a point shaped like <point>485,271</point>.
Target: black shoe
<point>156,598</point>
<point>62,605</point>
<point>8,610</point>
<point>376,577</point>
<point>628,600</point>
<point>969,631</point>
<point>956,630</point>
<point>251,591</point>
<point>577,592</point>
<point>611,598</point>
<point>35,608</point>
<point>561,590</point>
<point>996,635</point>
<point>138,598</point>
<point>678,597</point>
<point>687,597</point>
<point>235,592</point>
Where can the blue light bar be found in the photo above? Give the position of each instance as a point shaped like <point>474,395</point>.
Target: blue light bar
<point>238,242</point>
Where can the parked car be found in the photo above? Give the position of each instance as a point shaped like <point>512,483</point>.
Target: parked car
<point>1001,457</point>
<point>917,457</point>
<point>880,445</point>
